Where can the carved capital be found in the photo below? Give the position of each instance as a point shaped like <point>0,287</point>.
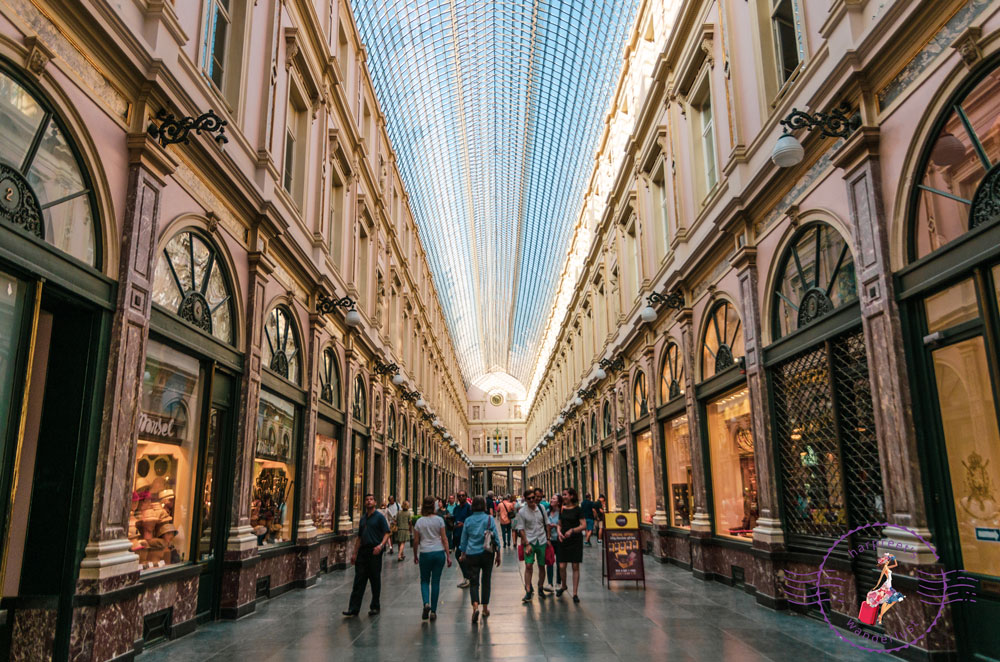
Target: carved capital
<point>38,55</point>
<point>968,47</point>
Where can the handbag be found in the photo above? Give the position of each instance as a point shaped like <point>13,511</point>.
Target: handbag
<point>489,543</point>
<point>550,554</point>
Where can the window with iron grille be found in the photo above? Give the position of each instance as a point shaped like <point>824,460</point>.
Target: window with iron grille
<point>831,477</point>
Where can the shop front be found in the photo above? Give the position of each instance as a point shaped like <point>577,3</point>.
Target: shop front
<point>56,309</point>
<point>949,293</point>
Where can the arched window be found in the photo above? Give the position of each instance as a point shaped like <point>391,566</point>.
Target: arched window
<point>390,425</point>
<point>329,379</point>
<point>640,405</point>
<point>583,436</point>
<point>593,429</point>
<point>815,276</point>
<point>281,344</point>
<point>957,177</point>
<point>671,374</point>
<point>402,430</point>
<point>360,408</point>
<point>46,191</point>
<point>190,283</point>
<point>723,340</point>
<point>607,420</point>
<point>414,439</point>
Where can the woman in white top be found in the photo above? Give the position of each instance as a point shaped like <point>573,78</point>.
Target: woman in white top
<point>431,552</point>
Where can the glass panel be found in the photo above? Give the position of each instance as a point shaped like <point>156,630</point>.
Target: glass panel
<point>609,474</point>
<point>208,485</point>
<point>624,497</point>
<point>955,168</point>
<point>723,341</point>
<point>281,345</point>
<point>677,443</point>
<point>639,405</point>
<point>160,524</point>
<point>358,478</point>
<point>969,423</point>
<point>272,510</point>
<point>647,489</point>
<point>190,267</point>
<point>595,477</point>
<point>20,117</point>
<point>324,483</point>
<point>734,475</point>
<point>952,306</point>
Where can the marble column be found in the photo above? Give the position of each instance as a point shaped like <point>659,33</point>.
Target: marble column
<point>892,404</point>
<point>307,551</point>
<point>108,621</point>
<point>701,524</point>
<point>239,577</point>
<point>656,433</point>
<point>344,522</point>
<point>768,536</point>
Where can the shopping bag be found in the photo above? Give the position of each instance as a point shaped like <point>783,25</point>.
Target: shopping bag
<point>520,552</point>
<point>868,613</point>
<point>550,554</point>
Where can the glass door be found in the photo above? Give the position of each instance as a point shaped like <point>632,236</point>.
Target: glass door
<point>961,351</point>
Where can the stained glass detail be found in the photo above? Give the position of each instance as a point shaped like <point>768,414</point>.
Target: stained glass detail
<point>33,143</point>
<point>281,344</point>
<point>815,277</point>
<point>189,283</point>
<point>495,110</point>
<point>671,374</point>
<point>723,341</point>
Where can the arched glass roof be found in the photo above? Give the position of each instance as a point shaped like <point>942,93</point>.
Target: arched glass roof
<point>494,109</point>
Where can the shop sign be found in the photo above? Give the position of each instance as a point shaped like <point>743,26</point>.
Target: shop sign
<point>987,534</point>
<point>158,426</point>
<point>623,548</point>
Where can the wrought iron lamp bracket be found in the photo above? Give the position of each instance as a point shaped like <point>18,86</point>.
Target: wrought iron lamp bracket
<point>173,130</point>
<point>383,369</point>
<point>674,300</point>
<point>587,393</point>
<point>326,305</point>
<point>616,364</point>
<point>835,124</point>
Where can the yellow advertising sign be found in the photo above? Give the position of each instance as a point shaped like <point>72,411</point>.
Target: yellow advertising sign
<point>614,521</point>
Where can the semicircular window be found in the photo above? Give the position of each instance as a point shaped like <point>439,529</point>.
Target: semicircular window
<point>671,374</point>
<point>190,283</point>
<point>607,419</point>
<point>281,344</point>
<point>44,190</point>
<point>390,425</point>
<point>640,404</point>
<point>360,408</point>
<point>958,181</point>
<point>723,341</point>
<point>329,379</point>
<point>593,429</point>
<point>815,277</point>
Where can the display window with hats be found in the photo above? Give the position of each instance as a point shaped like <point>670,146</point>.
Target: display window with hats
<point>163,490</point>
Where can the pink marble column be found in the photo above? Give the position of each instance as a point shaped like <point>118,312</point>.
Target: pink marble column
<point>108,622</point>
<point>701,524</point>
<point>239,576</point>
<point>307,551</point>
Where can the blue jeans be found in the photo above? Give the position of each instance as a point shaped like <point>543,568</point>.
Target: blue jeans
<point>431,566</point>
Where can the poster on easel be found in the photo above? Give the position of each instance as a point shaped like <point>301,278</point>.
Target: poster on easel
<point>622,557</point>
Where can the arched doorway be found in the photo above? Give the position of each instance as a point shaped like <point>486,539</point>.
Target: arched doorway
<point>949,295</point>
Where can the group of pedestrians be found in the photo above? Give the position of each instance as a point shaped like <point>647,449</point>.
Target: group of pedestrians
<point>549,535</point>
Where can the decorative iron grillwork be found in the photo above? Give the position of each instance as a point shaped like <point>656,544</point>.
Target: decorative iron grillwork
<point>360,409</point>
<point>18,204</point>
<point>282,344</point>
<point>986,201</point>
<point>671,374</point>
<point>640,405</point>
<point>831,478</point>
<point>329,379</point>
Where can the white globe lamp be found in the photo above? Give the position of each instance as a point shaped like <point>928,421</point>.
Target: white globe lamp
<point>787,151</point>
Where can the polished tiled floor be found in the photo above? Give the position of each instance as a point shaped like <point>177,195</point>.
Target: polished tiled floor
<point>677,618</point>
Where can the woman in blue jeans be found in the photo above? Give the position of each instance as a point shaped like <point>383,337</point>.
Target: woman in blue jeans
<point>430,551</point>
<point>554,541</point>
<point>477,558</point>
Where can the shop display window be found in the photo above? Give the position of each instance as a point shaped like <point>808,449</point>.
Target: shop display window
<point>647,489</point>
<point>609,474</point>
<point>272,508</point>
<point>677,442</point>
<point>163,492</point>
<point>734,474</point>
<point>358,477</point>
<point>324,483</point>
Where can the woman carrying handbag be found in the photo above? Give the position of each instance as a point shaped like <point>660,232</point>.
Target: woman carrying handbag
<point>479,553</point>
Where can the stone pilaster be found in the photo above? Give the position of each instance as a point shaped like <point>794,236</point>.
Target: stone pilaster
<point>344,522</point>
<point>892,404</point>
<point>307,552</point>
<point>240,571</point>
<point>108,622</point>
<point>652,379</point>
<point>700,522</point>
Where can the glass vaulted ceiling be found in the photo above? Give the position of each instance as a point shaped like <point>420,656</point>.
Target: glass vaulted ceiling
<point>494,109</point>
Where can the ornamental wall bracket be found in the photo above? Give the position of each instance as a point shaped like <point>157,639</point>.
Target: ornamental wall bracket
<point>968,47</point>
<point>173,130</point>
<point>38,56</point>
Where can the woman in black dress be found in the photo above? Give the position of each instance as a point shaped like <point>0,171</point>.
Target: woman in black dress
<point>571,526</point>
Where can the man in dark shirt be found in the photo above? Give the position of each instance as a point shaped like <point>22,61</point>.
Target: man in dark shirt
<point>462,511</point>
<point>373,537</point>
<point>587,509</point>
